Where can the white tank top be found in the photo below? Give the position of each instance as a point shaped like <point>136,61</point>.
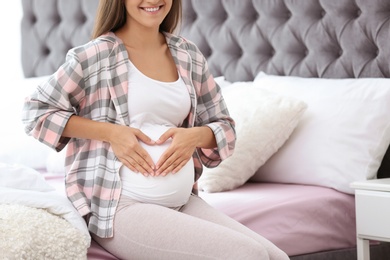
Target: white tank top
<point>154,107</point>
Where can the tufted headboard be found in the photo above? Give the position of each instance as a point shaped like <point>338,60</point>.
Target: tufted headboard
<point>308,38</point>
<point>50,29</point>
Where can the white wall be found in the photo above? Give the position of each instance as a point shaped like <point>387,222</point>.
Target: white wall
<point>10,19</point>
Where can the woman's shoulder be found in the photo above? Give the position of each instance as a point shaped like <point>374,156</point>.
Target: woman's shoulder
<point>101,47</point>
<point>181,42</point>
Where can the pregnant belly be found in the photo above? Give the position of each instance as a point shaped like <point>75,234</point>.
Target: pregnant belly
<point>172,190</point>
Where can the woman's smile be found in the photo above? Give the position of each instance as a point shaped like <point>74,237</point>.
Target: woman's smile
<point>151,9</point>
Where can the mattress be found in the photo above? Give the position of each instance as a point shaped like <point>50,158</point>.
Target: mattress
<point>299,219</point>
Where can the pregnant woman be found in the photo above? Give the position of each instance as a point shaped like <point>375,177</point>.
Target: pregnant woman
<point>140,113</point>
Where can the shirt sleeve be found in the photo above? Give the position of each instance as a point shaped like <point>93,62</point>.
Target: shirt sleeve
<point>47,111</point>
<point>212,112</point>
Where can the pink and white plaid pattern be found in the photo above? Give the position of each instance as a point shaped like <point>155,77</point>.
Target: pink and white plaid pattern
<point>92,83</point>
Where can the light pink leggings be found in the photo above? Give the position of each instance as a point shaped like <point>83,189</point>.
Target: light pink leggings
<point>194,231</point>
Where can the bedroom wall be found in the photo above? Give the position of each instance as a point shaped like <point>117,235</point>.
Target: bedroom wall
<point>10,18</point>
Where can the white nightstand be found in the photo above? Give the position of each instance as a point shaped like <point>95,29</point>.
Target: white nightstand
<point>372,199</point>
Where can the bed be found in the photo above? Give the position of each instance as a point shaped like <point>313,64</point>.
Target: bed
<point>325,67</point>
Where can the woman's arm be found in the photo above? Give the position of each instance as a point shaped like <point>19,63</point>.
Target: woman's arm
<point>124,141</point>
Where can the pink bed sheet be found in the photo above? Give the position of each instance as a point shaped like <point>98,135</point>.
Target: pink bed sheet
<point>299,219</point>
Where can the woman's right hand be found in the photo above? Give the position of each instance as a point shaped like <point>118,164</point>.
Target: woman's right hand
<point>124,141</point>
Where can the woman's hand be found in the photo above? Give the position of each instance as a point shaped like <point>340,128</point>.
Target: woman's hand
<point>124,141</point>
<point>184,143</point>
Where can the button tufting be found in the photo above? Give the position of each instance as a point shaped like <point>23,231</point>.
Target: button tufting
<point>83,19</point>
<point>340,52</point>
<point>194,17</point>
<point>358,12</point>
<point>225,16</point>
<point>57,19</point>
<point>33,19</point>
<point>323,13</point>
<point>46,51</point>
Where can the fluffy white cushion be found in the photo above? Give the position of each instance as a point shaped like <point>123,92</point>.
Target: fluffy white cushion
<point>15,146</point>
<point>30,233</point>
<point>26,186</point>
<point>264,121</point>
<point>342,137</point>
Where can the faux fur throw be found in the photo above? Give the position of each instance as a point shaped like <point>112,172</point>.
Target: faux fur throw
<point>31,233</point>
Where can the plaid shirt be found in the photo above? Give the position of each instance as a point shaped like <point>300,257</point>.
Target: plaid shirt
<point>93,83</point>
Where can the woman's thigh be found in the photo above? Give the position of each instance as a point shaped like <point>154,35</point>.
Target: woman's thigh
<point>147,231</point>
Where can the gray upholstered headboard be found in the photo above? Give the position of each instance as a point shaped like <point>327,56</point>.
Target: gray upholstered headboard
<point>50,29</point>
<point>308,38</point>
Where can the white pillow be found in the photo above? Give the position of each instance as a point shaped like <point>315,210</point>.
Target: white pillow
<point>222,82</point>
<point>55,163</point>
<point>22,178</point>
<point>15,146</point>
<point>342,137</point>
<point>264,121</point>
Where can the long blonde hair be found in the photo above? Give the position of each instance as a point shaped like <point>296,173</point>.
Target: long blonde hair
<point>111,15</point>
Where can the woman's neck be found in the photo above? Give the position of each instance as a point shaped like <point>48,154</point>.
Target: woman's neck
<point>140,38</point>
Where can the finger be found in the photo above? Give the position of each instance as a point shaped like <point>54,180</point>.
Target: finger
<point>141,165</point>
<point>128,165</point>
<point>164,161</point>
<point>143,137</point>
<point>179,167</point>
<point>170,163</point>
<point>145,160</point>
<point>171,167</point>
<point>165,136</point>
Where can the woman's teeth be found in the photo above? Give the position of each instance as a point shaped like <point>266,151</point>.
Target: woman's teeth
<point>154,9</point>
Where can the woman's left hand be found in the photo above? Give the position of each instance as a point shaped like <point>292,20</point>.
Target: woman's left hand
<point>184,143</point>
